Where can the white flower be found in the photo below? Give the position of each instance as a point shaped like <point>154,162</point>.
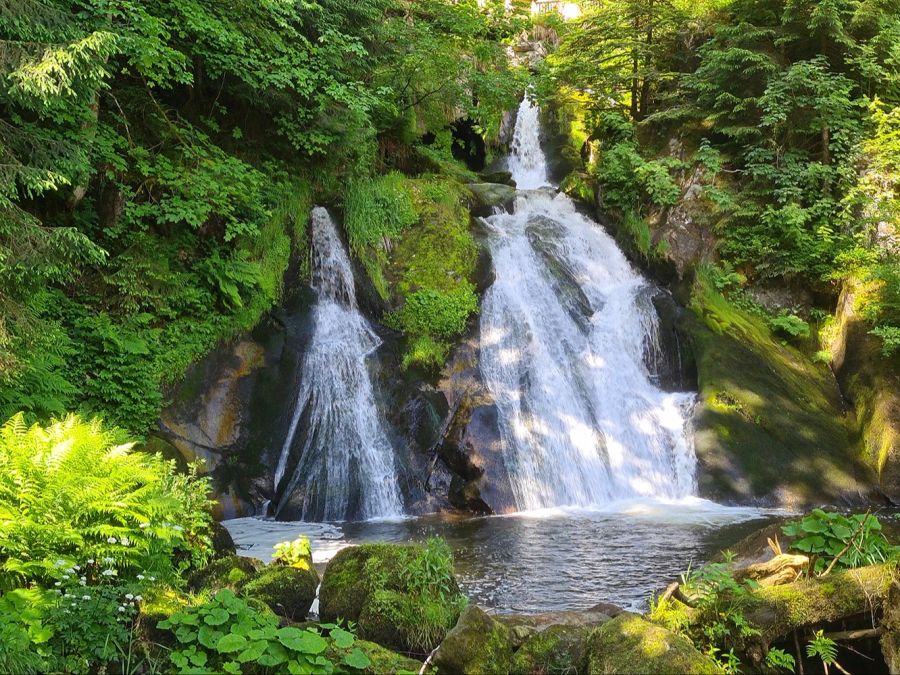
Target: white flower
<point>60,563</point>
<point>58,583</point>
<point>84,578</point>
<point>125,541</point>
<point>138,598</point>
<point>109,573</point>
<point>121,609</point>
<point>109,560</point>
<point>143,525</point>
<point>129,596</point>
<point>76,567</point>
<point>140,577</point>
<point>90,561</point>
<point>85,597</point>
<point>152,578</point>
<point>67,595</point>
<point>111,540</point>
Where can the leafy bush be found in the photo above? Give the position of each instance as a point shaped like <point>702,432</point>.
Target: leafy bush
<point>833,540</point>
<point>377,209</point>
<point>227,634</point>
<point>441,314</point>
<point>295,553</point>
<point>75,491</point>
<point>789,325</point>
<point>426,603</point>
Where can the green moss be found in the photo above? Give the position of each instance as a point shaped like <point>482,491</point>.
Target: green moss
<point>381,660</point>
<point>228,572</point>
<point>478,645</point>
<point>770,421</point>
<point>557,650</point>
<point>400,596</point>
<point>780,609</point>
<point>287,591</point>
<point>630,644</point>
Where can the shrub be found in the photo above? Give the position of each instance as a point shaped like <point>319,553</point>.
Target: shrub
<point>834,540</point>
<point>789,325</point>
<point>295,553</point>
<point>378,208</point>
<point>227,634</point>
<point>75,491</point>
<point>436,313</point>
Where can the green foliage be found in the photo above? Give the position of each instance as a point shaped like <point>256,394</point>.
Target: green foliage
<point>822,647</point>
<point>426,602</point>
<point>778,659</point>
<point>228,635</point>
<point>789,325</point>
<point>295,553</point>
<point>720,600</point>
<point>378,209</point>
<point>75,491</point>
<point>846,541</point>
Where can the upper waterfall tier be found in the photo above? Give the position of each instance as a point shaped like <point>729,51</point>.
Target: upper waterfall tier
<point>564,328</point>
<point>345,466</point>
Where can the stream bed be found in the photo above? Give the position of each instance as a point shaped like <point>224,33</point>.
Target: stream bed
<point>546,560</point>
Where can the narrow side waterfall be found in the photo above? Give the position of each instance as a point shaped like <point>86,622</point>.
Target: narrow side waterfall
<point>563,331</point>
<point>346,462</point>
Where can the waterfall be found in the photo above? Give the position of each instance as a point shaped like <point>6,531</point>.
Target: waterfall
<point>527,161</point>
<point>563,332</point>
<point>346,462</point>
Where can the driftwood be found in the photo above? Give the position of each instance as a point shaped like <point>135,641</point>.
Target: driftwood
<point>782,569</point>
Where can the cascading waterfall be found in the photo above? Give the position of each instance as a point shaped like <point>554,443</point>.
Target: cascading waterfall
<point>346,462</point>
<point>563,329</point>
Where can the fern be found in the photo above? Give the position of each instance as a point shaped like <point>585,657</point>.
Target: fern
<point>75,490</point>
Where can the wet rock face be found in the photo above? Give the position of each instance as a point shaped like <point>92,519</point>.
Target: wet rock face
<point>471,448</point>
<point>488,196</point>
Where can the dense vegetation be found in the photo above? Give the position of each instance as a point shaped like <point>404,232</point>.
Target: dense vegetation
<point>784,115</point>
<point>160,159</point>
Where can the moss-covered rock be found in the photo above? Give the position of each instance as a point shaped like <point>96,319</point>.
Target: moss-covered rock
<point>381,660</point>
<point>769,427</point>
<point>557,650</point>
<point>230,571</point>
<point>778,610</point>
<point>404,597</point>
<point>631,644</point>
<point>478,645</point>
<point>288,591</point>
<point>488,196</point>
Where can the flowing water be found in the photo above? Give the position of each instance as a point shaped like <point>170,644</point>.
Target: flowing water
<point>543,560</point>
<point>345,463</point>
<point>600,457</point>
<point>563,334</point>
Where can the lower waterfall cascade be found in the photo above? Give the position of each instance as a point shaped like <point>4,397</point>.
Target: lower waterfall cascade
<point>563,332</point>
<point>346,466</point>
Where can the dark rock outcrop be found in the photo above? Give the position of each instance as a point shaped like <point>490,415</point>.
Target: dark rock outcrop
<point>478,645</point>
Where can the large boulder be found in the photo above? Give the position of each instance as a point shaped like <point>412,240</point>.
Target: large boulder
<point>477,645</point>
<point>769,427</point>
<point>401,596</point>
<point>230,571</point>
<point>488,196</point>
<point>631,644</point>
<point>288,591</point>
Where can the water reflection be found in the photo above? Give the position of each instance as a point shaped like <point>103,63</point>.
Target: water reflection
<point>552,559</point>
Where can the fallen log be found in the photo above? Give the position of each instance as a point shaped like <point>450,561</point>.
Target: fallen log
<point>782,569</point>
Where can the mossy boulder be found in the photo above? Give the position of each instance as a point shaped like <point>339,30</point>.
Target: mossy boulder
<point>288,591</point>
<point>488,196</point>
<point>631,644</point>
<point>478,645</point>
<point>230,571</point>
<point>557,650</point>
<point>770,426</point>
<point>381,660</point>
<point>401,596</point>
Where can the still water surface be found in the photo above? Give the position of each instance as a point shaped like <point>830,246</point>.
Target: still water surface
<point>544,560</point>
